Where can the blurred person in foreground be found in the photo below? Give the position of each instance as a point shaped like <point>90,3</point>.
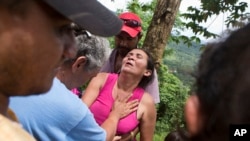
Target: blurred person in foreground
<point>35,38</point>
<point>222,91</point>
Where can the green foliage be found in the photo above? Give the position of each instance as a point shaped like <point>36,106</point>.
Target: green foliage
<point>175,86</point>
<point>170,109</point>
<point>236,18</point>
<point>160,137</point>
<point>178,29</point>
<point>182,61</point>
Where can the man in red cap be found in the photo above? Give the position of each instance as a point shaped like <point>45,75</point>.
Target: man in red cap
<point>125,41</point>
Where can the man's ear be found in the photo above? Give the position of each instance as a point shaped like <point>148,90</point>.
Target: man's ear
<point>79,63</point>
<point>192,115</point>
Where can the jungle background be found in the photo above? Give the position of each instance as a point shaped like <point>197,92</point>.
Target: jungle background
<point>176,54</point>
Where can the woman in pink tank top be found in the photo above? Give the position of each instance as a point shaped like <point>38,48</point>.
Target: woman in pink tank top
<point>106,88</point>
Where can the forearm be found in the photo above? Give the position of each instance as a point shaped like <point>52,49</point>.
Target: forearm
<point>148,120</point>
<point>110,126</point>
<point>147,131</point>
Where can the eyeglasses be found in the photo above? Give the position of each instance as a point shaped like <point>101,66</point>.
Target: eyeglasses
<point>131,23</point>
<point>82,32</point>
<point>78,30</point>
<point>72,29</point>
<point>64,30</point>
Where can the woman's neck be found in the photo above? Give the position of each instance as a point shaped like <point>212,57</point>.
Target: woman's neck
<point>127,82</point>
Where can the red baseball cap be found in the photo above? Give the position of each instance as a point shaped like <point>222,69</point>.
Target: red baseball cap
<point>131,23</point>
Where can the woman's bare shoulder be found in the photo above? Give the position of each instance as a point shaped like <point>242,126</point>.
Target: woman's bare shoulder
<point>147,99</point>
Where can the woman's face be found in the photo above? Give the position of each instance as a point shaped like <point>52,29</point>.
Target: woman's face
<point>135,62</point>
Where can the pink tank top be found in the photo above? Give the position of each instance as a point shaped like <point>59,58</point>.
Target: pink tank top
<point>103,105</point>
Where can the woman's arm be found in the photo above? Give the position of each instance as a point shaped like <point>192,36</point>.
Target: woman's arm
<point>148,118</point>
<point>93,88</point>
<point>129,136</point>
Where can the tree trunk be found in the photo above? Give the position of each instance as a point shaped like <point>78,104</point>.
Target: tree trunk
<point>160,28</point>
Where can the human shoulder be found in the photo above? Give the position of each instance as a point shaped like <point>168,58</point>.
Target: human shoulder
<point>87,129</point>
<point>17,133</point>
<point>148,104</point>
<point>96,83</point>
<point>101,77</point>
<point>147,99</point>
<point>146,107</point>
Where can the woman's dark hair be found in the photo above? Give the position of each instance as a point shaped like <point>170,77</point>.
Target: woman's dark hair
<point>150,66</point>
<point>223,86</point>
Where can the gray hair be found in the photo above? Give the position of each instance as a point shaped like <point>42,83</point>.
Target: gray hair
<point>94,48</point>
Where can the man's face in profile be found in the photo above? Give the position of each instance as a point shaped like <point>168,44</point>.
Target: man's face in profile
<point>33,46</point>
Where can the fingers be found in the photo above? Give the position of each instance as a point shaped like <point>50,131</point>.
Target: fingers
<point>123,107</point>
<point>133,105</point>
<point>130,107</point>
<point>117,138</point>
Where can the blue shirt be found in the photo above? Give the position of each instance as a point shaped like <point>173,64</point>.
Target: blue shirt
<point>57,115</point>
